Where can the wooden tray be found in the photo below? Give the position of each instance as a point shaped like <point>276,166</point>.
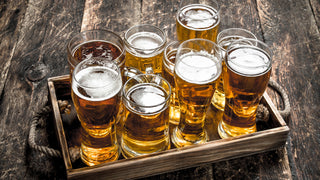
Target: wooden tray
<point>271,135</point>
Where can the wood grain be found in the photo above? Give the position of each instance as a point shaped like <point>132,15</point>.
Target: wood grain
<point>290,29</point>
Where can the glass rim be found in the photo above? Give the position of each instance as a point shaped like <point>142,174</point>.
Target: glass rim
<point>163,38</point>
<point>235,29</point>
<point>154,75</point>
<point>216,8</point>
<point>219,59</point>
<point>78,66</point>
<point>82,33</point>
<point>165,54</point>
<point>266,50</point>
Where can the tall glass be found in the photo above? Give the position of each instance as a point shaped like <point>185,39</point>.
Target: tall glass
<point>144,45</point>
<point>197,69</point>
<point>246,77</point>
<point>198,19</point>
<point>96,85</point>
<point>169,59</point>
<point>146,98</point>
<point>96,43</point>
<point>224,39</point>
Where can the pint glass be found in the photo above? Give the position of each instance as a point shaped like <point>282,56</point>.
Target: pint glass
<point>197,69</point>
<point>144,45</point>
<point>169,58</point>
<point>246,77</point>
<point>96,43</point>
<point>198,19</point>
<point>146,122</point>
<point>224,39</point>
<point>96,85</point>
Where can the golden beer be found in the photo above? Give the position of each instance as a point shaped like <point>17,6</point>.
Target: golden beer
<point>146,122</point>
<point>196,74</point>
<point>169,59</point>
<point>224,39</point>
<point>96,96</point>
<point>245,80</point>
<point>144,46</point>
<point>198,21</point>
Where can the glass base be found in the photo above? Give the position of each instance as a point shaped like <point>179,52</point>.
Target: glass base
<point>221,132</point>
<point>94,156</point>
<point>179,141</point>
<point>145,148</point>
<point>218,100</point>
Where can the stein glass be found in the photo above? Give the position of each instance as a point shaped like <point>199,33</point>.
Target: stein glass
<point>96,43</point>
<point>146,98</point>
<point>198,19</point>
<point>246,77</point>
<point>224,39</point>
<point>144,45</point>
<point>197,69</point>
<point>169,58</point>
<point>96,94</point>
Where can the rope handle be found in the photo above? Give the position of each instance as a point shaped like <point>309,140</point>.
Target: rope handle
<point>279,89</point>
<point>32,134</point>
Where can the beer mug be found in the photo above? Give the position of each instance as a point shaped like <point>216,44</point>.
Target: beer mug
<point>144,45</point>
<point>169,58</point>
<point>198,19</point>
<point>224,39</point>
<point>246,77</point>
<point>96,43</point>
<point>197,69</point>
<point>146,123</point>
<point>96,94</point>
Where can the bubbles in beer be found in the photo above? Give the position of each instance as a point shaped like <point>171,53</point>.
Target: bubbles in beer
<point>97,83</point>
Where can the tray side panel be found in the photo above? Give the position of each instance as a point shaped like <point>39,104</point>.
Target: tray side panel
<point>59,126</point>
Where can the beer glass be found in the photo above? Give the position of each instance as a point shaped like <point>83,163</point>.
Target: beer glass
<point>146,122</point>
<point>96,43</point>
<point>96,94</point>
<point>197,69</point>
<point>198,19</point>
<point>144,45</point>
<point>169,58</point>
<point>246,77</point>
<point>224,39</point>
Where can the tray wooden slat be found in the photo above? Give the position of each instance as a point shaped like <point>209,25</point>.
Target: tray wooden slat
<point>173,159</point>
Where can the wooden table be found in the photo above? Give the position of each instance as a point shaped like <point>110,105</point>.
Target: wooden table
<point>34,35</point>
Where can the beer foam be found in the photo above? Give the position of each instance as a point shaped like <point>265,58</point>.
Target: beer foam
<point>149,98</point>
<point>145,42</point>
<point>248,61</point>
<point>198,68</point>
<point>199,16</point>
<point>99,83</point>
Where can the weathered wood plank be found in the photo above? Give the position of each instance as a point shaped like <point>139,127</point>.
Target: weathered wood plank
<point>39,52</point>
<point>116,16</point>
<point>290,28</point>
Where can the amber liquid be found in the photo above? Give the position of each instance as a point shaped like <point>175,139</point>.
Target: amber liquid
<point>145,130</point>
<point>139,54</point>
<point>97,109</point>
<point>195,90</point>
<point>168,74</point>
<point>98,48</point>
<point>244,88</point>
<point>218,99</point>
<point>191,23</point>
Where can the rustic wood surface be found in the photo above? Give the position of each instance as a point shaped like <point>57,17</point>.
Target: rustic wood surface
<point>33,38</point>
